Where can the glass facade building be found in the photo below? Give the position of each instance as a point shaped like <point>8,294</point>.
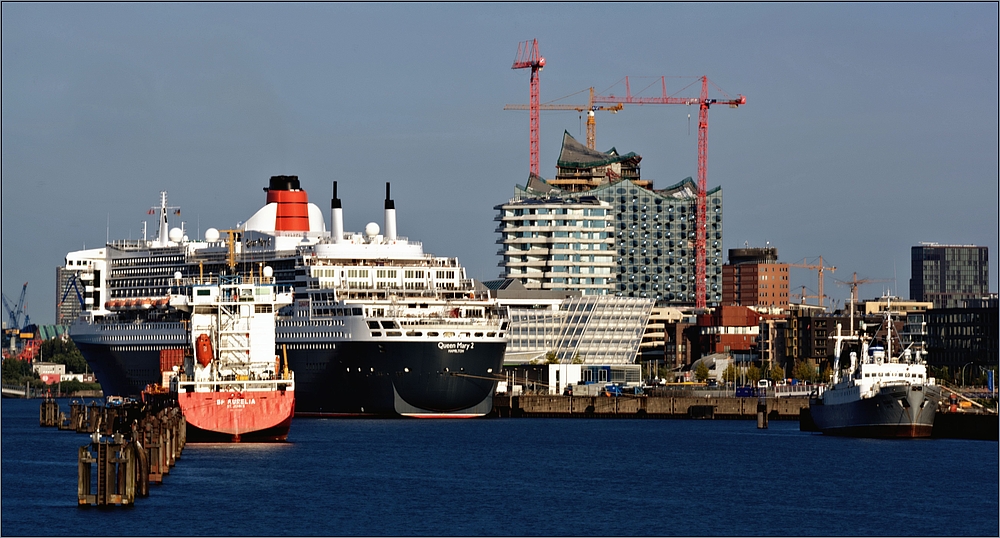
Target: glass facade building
<point>948,275</point>
<point>654,237</point>
<point>589,330</point>
<point>652,233</point>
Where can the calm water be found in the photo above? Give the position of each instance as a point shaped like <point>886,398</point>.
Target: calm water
<point>519,477</point>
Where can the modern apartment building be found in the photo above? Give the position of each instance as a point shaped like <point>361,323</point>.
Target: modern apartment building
<point>558,243</point>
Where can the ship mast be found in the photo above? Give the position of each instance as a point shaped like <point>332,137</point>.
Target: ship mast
<point>163,236</point>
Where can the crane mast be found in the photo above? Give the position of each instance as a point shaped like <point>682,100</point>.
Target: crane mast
<point>529,58</point>
<point>703,102</point>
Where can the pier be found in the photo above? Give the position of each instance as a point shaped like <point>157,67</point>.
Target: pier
<point>132,444</point>
<point>643,406</point>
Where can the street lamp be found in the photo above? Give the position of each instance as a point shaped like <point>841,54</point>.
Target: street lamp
<point>963,372</point>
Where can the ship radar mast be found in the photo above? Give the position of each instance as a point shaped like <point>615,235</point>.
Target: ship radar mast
<point>163,234</point>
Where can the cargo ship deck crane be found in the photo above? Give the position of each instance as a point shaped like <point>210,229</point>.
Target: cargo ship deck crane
<point>529,58</point>
<point>703,102</point>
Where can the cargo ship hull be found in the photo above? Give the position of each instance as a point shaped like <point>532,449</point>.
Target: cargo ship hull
<point>229,416</point>
<point>404,378</point>
<point>901,411</point>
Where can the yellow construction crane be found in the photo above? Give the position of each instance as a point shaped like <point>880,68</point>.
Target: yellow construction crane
<point>855,282</point>
<point>589,108</point>
<point>820,268</point>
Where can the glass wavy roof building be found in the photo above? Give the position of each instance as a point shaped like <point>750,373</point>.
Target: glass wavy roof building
<point>652,230</point>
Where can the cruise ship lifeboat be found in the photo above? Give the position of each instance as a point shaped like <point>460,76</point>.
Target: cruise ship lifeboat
<point>162,302</point>
<point>146,303</point>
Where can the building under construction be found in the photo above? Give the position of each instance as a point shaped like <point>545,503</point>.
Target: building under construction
<point>653,230</point>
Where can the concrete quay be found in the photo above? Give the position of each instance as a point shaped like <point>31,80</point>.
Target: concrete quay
<point>642,406</point>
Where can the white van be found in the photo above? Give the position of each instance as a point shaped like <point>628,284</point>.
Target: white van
<point>763,383</point>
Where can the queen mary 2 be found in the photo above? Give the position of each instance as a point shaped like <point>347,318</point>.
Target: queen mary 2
<point>377,327</point>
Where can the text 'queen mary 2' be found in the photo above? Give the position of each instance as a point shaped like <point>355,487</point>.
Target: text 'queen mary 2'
<point>376,327</point>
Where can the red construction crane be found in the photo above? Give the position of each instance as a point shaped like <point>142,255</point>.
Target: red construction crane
<point>528,57</point>
<point>703,103</point>
<point>590,108</point>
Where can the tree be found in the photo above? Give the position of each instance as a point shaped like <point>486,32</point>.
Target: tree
<point>551,358</point>
<point>729,374</point>
<point>14,371</point>
<point>777,373</point>
<point>804,371</point>
<point>753,374</point>
<point>827,373</point>
<point>577,359</point>
<point>63,351</point>
<point>701,372</point>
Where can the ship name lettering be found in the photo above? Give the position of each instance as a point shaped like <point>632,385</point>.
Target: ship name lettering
<point>456,347</point>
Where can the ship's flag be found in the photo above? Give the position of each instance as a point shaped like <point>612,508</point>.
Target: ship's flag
<point>150,212</point>
<point>178,212</point>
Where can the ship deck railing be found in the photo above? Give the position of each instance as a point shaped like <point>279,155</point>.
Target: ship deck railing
<point>386,294</point>
<point>254,385</point>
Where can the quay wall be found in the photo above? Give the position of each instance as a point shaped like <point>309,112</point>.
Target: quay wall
<point>645,407</point>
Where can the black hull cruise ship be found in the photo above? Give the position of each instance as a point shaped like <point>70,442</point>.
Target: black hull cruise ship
<point>376,328</point>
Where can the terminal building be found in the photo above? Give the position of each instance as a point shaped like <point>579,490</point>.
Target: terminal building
<point>570,328</point>
<point>652,231</point>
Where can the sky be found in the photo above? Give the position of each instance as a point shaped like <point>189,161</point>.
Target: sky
<point>868,128</point>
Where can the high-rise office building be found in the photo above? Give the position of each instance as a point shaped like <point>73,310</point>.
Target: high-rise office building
<point>948,275</point>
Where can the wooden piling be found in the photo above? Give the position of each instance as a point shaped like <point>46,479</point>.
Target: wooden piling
<point>48,415</point>
<point>115,473</point>
<point>132,444</point>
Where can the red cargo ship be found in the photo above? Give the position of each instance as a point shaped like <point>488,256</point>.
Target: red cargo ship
<point>234,388</point>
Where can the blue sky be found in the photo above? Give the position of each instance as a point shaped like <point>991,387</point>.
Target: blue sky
<point>868,127</point>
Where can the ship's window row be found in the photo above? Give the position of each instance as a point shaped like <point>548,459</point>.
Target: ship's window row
<point>145,326</point>
<point>310,346</point>
<point>135,337</point>
<point>136,348</point>
<point>315,335</point>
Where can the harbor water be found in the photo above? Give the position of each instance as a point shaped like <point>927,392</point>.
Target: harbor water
<point>519,477</point>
